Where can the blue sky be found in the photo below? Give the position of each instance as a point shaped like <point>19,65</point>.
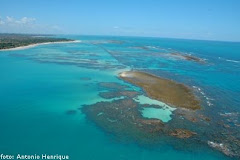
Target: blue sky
<point>202,19</point>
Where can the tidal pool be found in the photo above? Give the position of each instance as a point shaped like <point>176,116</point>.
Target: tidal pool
<point>164,113</point>
<point>158,113</point>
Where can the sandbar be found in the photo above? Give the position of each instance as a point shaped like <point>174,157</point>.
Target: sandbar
<point>165,90</point>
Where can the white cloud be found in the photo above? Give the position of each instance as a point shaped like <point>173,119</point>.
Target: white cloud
<point>10,21</point>
<point>1,21</point>
<point>26,20</point>
<point>26,25</point>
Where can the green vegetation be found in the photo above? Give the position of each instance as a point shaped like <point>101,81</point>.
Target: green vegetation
<point>17,40</point>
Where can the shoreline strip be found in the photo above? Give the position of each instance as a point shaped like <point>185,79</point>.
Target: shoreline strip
<point>38,44</point>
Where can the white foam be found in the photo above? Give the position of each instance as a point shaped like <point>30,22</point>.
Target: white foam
<point>229,60</point>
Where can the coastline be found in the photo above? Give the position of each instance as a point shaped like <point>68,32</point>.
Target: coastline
<point>38,44</point>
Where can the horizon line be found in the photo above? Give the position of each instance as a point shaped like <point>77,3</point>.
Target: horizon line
<point>78,34</point>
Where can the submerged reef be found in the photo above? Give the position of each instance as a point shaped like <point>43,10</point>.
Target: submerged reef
<point>109,95</point>
<point>85,78</point>
<point>165,90</point>
<point>122,118</point>
<point>187,127</point>
<point>182,133</point>
<point>71,112</point>
<point>188,57</point>
<point>112,85</point>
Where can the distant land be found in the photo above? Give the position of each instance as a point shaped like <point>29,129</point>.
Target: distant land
<point>11,41</point>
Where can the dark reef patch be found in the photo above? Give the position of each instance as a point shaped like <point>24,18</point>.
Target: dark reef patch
<point>116,42</point>
<point>85,78</point>
<point>71,112</point>
<point>114,94</point>
<point>182,133</point>
<point>113,85</point>
<point>188,57</point>
<point>122,118</point>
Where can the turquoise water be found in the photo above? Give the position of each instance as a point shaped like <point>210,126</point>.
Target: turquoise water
<point>163,113</point>
<point>43,88</point>
<point>157,113</point>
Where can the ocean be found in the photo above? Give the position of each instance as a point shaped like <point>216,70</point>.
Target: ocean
<point>43,90</point>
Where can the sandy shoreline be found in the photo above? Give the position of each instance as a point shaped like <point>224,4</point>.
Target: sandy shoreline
<point>37,44</point>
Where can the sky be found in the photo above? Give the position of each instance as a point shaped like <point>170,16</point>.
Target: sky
<point>188,19</point>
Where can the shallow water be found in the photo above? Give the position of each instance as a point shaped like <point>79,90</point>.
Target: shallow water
<point>163,113</point>
<point>38,87</point>
<point>158,113</point>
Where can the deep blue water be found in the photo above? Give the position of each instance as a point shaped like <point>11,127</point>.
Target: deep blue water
<point>38,86</point>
